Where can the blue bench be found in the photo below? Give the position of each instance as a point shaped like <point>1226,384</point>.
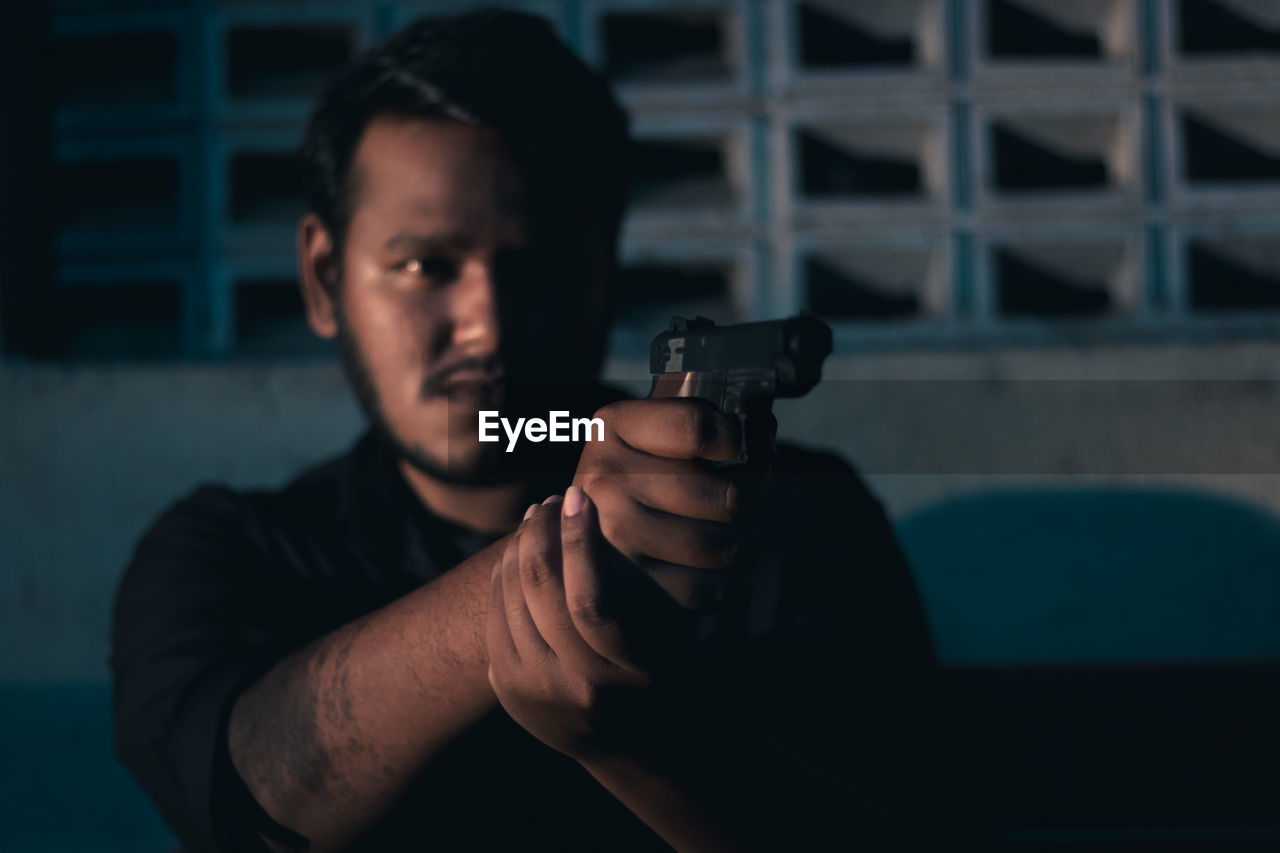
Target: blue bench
<point>1112,666</point>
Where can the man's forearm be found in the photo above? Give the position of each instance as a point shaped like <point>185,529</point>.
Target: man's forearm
<point>330,737</point>
<point>728,786</point>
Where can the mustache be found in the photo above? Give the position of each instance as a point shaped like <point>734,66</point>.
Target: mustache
<point>436,384</point>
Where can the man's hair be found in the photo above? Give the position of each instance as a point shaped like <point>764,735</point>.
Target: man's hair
<point>502,70</point>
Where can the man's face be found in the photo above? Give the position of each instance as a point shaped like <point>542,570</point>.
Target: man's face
<point>438,262</point>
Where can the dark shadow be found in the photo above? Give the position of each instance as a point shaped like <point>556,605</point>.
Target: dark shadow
<point>665,48</point>
<point>283,62</point>
<point>1016,32</point>
<point>829,171</point>
<point>1220,283</point>
<point>110,195</point>
<point>264,188</point>
<point>124,320</point>
<point>271,321</point>
<point>27,322</point>
<point>1208,27</point>
<point>1213,154</point>
<point>675,172</point>
<point>649,293</point>
<point>828,41</point>
<point>1023,164</point>
<point>116,70</point>
<point>838,294</point>
<point>1025,289</point>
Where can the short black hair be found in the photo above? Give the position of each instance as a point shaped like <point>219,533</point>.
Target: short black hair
<point>503,70</point>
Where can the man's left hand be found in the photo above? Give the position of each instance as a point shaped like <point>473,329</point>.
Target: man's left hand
<point>560,661</point>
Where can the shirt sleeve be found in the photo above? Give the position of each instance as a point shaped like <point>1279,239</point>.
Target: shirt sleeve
<point>192,628</point>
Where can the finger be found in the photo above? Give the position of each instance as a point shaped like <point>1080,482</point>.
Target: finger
<point>498,640</point>
<point>687,487</point>
<point>660,536</point>
<point>542,582</point>
<point>690,589</point>
<point>524,634</point>
<point>676,428</point>
<point>583,561</point>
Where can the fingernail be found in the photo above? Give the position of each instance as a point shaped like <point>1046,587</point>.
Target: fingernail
<point>551,500</point>
<point>573,500</point>
<point>528,512</point>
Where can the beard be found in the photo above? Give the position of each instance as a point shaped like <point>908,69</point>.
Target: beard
<point>488,468</point>
<point>544,464</point>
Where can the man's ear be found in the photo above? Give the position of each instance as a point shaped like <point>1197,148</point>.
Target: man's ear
<point>318,271</point>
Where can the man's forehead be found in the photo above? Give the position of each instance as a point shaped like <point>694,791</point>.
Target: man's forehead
<point>429,164</point>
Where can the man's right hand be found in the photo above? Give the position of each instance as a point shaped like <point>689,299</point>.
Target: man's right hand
<point>662,504</point>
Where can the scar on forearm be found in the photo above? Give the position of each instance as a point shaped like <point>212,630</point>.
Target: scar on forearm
<point>293,731</point>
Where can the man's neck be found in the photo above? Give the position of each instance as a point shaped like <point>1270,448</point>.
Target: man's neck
<point>493,509</point>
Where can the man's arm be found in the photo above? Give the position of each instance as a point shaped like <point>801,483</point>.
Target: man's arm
<point>328,739</point>
<point>210,678</point>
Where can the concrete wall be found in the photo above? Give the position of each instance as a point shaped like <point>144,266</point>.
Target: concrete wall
<point>90,455</point>
<point>926,426</point>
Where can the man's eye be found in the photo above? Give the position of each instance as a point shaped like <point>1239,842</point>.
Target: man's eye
<point>436,269</point>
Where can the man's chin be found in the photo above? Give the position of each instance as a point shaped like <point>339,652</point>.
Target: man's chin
<point>490,464</point>
<point>478,466</point>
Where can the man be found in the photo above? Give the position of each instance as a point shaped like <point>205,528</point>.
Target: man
<point>393,652</point>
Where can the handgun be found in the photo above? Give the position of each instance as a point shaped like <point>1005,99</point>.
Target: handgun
<point>740,369</point>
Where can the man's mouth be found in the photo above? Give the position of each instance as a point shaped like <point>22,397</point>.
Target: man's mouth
<point>475,388</point>
<point>471,380</point>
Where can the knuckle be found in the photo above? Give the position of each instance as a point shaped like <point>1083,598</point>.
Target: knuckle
<point>584,693</point>
<point>538,566</point>
<point>607,413</point>
<point>602,475</point>
<point>588,610</point>
<point>621,537</point>
<point>615,515</point>
<point>515,608</point>
<point>607,470</point>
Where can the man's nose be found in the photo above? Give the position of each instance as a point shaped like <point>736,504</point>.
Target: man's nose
<point>475,308</point>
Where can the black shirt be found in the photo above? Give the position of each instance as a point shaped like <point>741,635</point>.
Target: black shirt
<point>227,583</point>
